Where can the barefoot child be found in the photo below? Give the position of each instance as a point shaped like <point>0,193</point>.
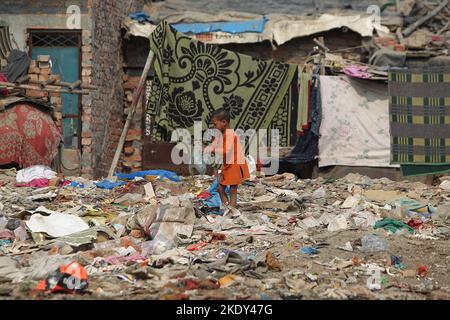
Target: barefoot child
<point>234,166</point>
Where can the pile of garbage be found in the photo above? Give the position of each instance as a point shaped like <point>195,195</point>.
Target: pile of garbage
<point>155,235</point>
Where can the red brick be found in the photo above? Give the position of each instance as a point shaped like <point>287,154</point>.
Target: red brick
<point>134,134</point>
<point>33,70</point>
<point>45,71</point>
<point>34,77</point>
<point>134,158</point>
<point>129,150</point>
<point>44,77</point>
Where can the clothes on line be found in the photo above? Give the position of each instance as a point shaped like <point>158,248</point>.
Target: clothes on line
<point>420,113</point>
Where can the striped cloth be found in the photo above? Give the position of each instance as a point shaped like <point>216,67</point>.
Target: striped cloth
<point>420,116</point>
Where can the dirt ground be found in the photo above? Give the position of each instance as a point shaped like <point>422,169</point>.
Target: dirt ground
<point>254,253</point>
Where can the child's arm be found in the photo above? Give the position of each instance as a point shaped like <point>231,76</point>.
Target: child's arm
<point>211,148</point>
<point>219,150</point>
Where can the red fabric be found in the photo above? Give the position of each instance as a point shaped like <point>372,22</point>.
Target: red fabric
<point>3,78</point>
<point>196,246</point>
<point>204,195</point>
<point>416,224</point>
<point>28,137</point>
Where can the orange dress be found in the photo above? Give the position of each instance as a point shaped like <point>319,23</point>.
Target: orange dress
<point>234,166</point>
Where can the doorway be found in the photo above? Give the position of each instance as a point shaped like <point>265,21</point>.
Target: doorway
<point>64,49</point>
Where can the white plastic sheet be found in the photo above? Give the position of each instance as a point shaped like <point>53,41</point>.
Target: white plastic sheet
<point>57,224</point>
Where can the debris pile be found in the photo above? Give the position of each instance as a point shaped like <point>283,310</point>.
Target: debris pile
<point>151,235</point>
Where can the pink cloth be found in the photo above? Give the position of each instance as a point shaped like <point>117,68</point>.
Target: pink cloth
<point>357,72</point>
<point>36,183</point>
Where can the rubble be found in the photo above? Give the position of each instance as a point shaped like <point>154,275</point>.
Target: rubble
<point>290,238</point>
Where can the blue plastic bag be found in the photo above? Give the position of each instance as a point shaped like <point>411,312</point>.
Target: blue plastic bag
<point>309,250</point>
<point>214,200</point>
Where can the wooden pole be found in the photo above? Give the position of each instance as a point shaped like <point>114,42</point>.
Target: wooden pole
<point>407,32</point>
<point>136,98</point>
<point>322,55</point>
<point>8,85</point>
<point>82,85</point>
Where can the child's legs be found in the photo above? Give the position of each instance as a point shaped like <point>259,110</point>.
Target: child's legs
<point>233,196</point>
<point>222,193</point>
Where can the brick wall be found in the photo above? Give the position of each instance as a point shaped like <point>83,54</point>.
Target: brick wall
<point>131,159</point>
<point>103,112</point>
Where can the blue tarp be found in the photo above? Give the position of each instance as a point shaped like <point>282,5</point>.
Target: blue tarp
<point>106,184</point>
<point>164,174</point>
<point>229,27</point>
<point>141,17</point>
<point>75,184</point>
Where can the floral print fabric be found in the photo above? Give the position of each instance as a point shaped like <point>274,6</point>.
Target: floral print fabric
<point>28,136</point>
<point>193,79</point>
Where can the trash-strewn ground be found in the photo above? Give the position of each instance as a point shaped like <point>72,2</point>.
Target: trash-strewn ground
<point>291,239</point>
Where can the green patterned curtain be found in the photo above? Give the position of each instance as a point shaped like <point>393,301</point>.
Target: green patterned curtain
<point>192,79</point>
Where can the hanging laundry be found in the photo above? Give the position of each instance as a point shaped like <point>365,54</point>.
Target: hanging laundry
<point>355,125</point>
<point>357,72</point>
<point>306,147</point>
<point>193,79</point>
<point>420,113</point>
<point>303,101</point>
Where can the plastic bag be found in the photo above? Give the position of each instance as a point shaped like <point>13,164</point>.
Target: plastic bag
<point>251,166</point>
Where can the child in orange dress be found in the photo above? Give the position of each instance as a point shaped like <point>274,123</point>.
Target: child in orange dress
<point>234,166</point>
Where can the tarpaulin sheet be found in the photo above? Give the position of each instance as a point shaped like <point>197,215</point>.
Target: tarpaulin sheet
<point>278,27</point>
<point>230,27</point>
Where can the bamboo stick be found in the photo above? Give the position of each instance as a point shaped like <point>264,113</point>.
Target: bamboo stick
<point>421,21</point>
<point>10,86</point>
